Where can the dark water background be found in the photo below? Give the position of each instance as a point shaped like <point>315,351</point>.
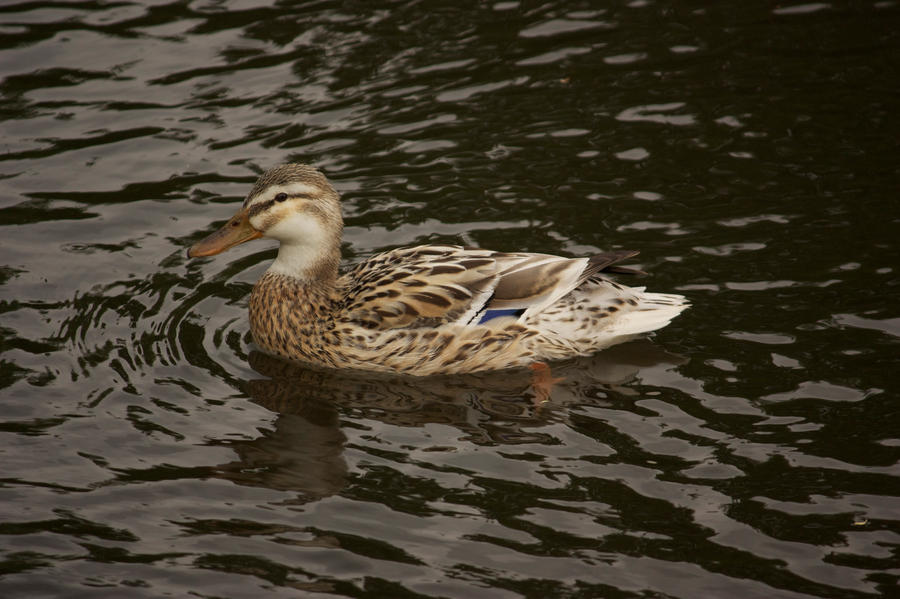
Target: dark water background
<point>748,149</point>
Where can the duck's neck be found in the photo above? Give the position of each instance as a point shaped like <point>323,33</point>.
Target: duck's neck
<point>309,266</point>
<point>293,298</point>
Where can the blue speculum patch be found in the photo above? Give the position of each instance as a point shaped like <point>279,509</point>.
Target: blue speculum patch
<point>489,314</point>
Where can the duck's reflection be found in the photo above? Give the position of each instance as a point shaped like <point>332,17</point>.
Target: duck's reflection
<point>304,451</point>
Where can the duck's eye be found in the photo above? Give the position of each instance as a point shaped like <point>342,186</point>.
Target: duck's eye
<point>281,197</point>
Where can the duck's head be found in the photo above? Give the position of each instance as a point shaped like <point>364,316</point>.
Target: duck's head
<point>293,203</point>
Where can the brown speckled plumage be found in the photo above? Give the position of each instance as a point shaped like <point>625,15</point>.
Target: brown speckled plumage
<point>427,309</point>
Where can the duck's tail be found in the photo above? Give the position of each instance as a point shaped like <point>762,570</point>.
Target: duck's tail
<point>653,311</point>
<point>602,313</point>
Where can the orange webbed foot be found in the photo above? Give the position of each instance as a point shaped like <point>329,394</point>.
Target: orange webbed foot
<point>542,380</point>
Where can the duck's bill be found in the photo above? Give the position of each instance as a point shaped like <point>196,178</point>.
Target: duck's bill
<point>236,231</point>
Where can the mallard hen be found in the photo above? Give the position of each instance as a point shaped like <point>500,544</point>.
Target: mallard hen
<point>429,309</point>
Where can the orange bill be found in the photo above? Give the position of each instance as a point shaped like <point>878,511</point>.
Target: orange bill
<point>236,231</point>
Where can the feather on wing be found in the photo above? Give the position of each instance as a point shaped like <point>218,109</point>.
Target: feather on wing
<point>430,286</point>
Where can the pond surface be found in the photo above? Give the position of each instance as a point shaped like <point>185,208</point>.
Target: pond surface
<point>748,150</point>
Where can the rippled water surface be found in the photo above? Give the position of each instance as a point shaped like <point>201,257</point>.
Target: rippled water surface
<point>748,149</point>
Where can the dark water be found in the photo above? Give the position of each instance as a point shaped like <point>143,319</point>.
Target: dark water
<point>749,150</point>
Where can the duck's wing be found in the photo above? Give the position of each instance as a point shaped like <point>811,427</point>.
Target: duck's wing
<point>430,286</point>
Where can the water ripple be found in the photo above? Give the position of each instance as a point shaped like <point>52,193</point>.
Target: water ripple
<point>750,449</point>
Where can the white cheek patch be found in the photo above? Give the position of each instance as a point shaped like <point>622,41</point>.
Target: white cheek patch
<point>304,243</point>
<point>296,228</point>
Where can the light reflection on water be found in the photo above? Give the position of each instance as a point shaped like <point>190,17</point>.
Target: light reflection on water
<point>749,449</point>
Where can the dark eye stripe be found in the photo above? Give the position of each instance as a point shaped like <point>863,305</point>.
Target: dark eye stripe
<point>260,208</point>
<point>281,197</point>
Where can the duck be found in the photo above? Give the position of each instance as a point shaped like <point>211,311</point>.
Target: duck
<point>423,310</point>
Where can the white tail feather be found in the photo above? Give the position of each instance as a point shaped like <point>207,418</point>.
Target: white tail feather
<point>654,311</point>
<point>602,314</point>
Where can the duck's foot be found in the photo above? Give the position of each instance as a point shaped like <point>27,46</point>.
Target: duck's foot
<point>542,381</point>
